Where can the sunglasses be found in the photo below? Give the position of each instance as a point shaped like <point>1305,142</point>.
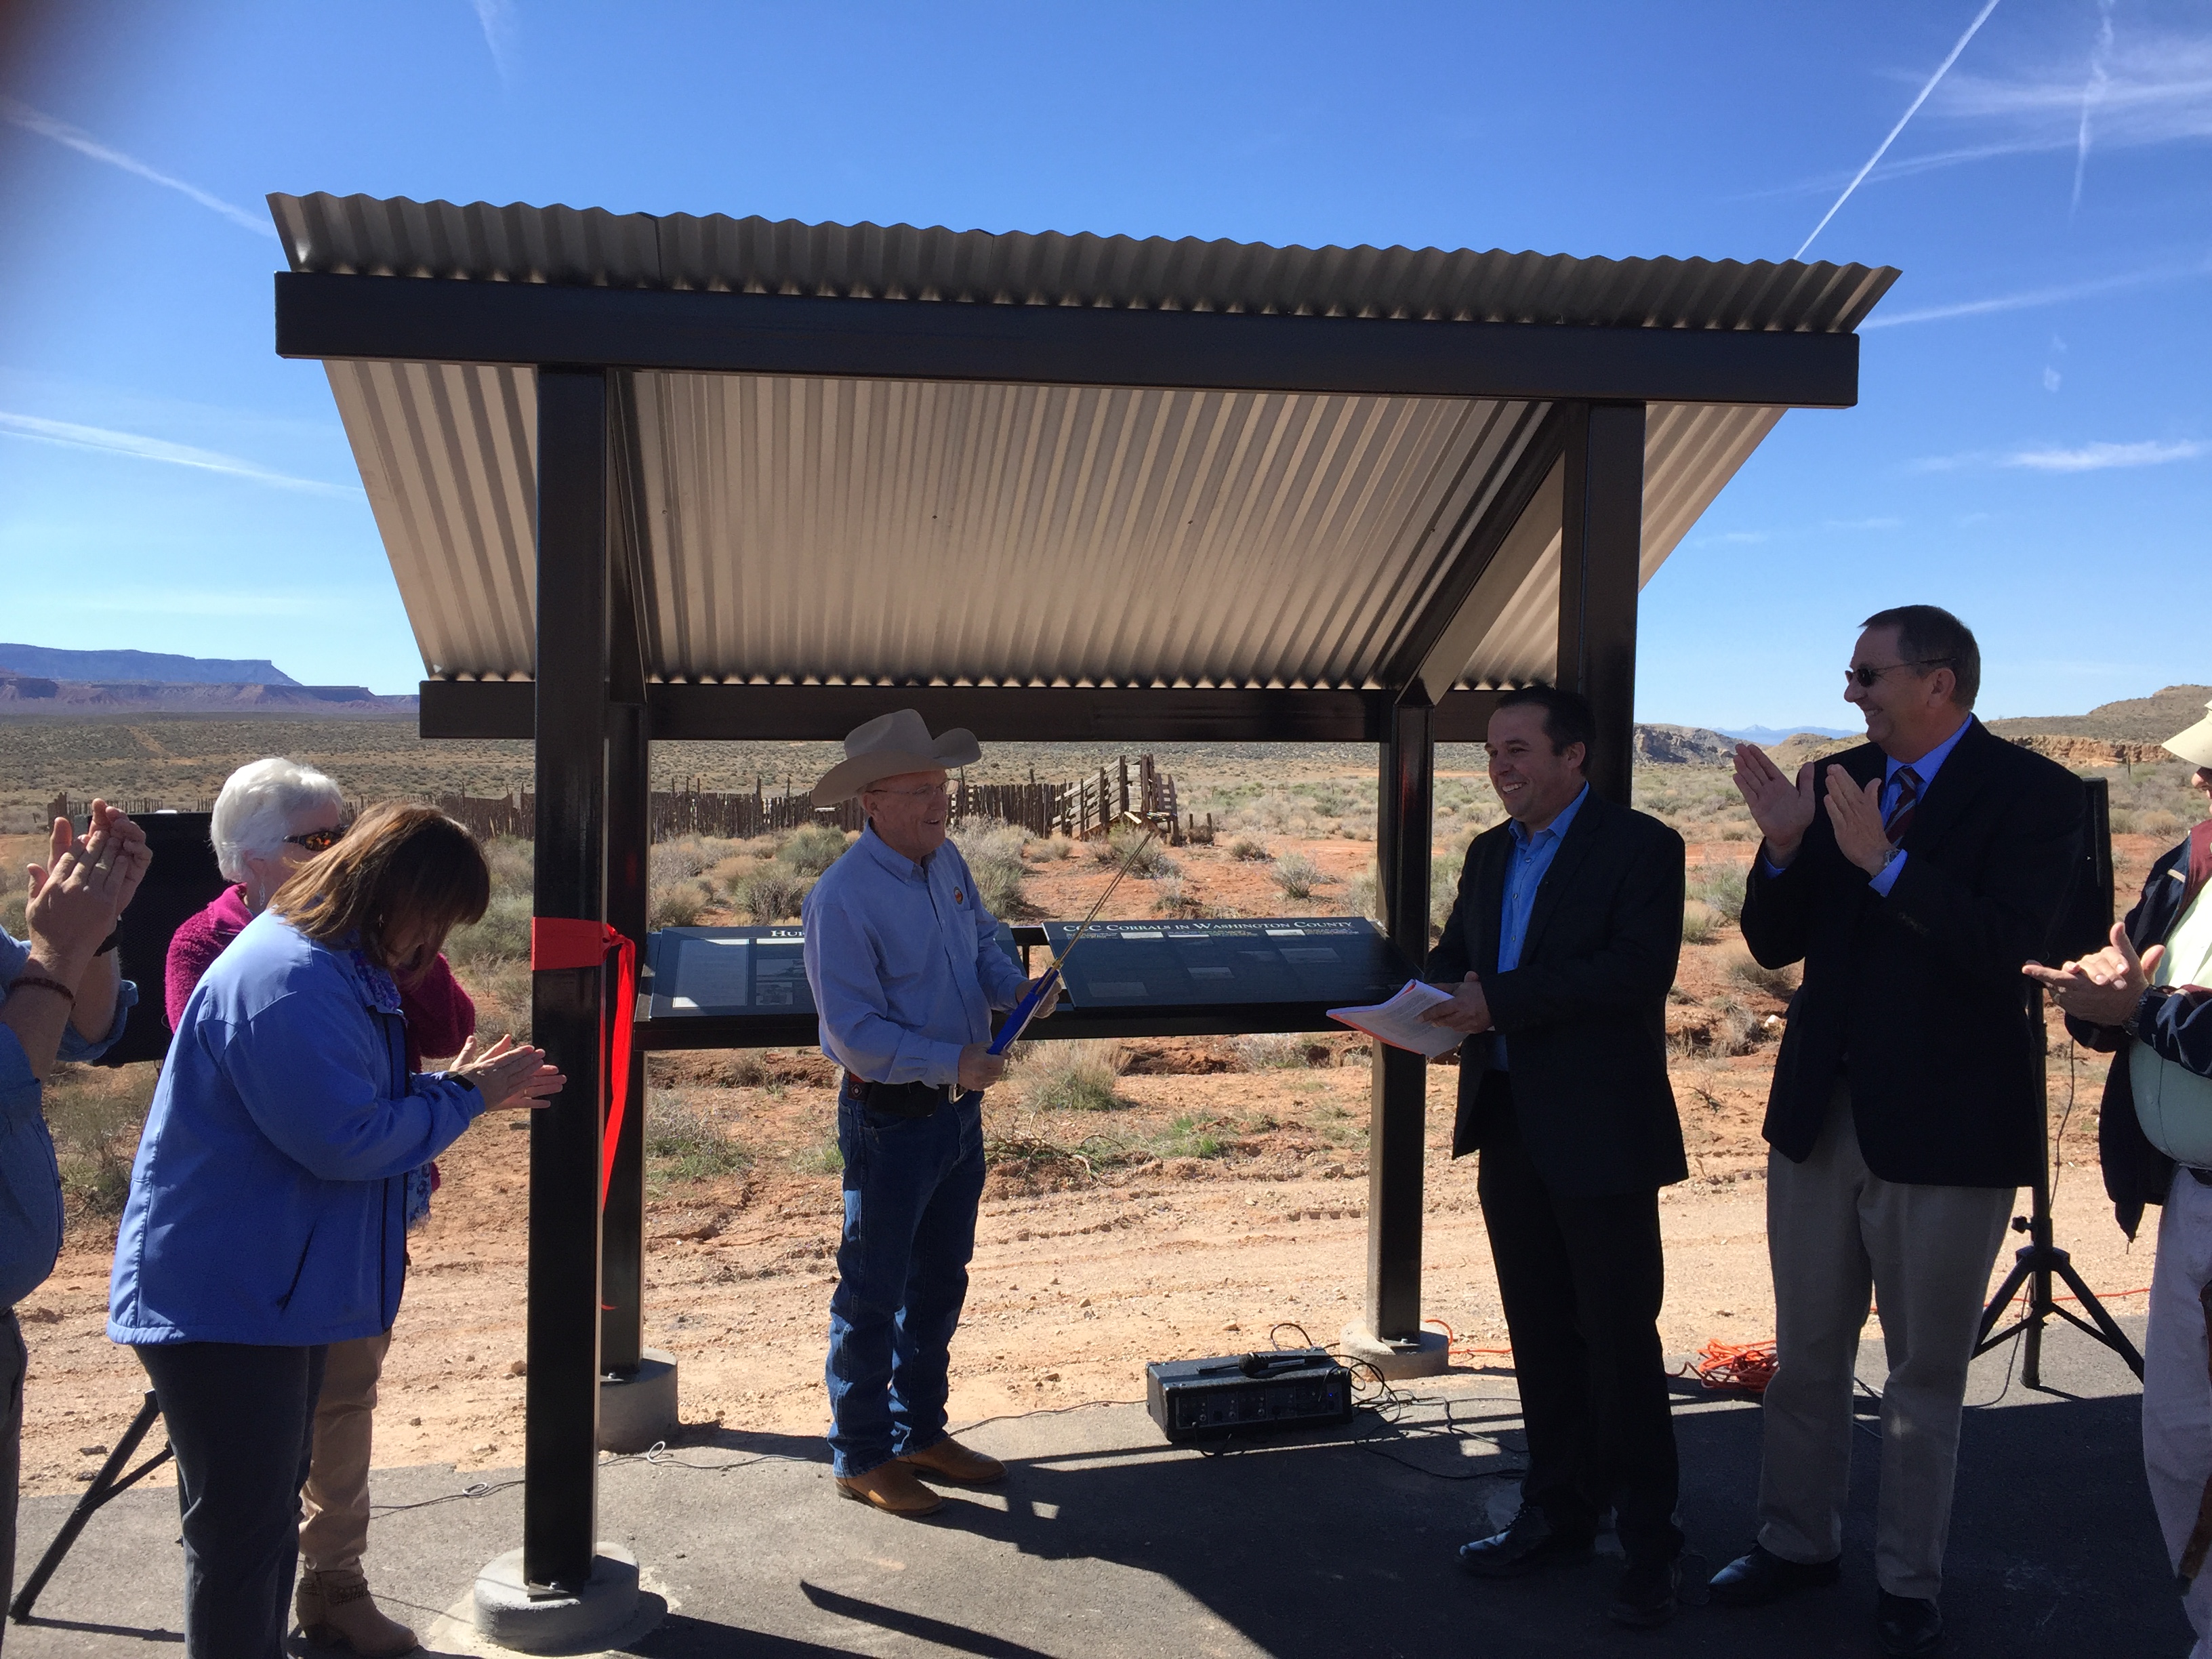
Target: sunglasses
<point>1868,675</point>
<point>319,840</point>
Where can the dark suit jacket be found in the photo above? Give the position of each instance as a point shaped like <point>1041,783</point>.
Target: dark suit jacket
<point>1919,995</point>
<point>1585,1013</point>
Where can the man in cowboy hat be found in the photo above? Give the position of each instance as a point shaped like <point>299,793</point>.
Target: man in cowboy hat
<point>906,967</point>
<point>2143,999</point>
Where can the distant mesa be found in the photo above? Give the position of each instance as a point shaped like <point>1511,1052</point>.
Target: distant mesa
<point>1766,737</point>
<point>153,666</point>
<point>1681,746</point>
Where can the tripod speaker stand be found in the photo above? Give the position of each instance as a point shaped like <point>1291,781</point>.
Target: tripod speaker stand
<point>2086,926</point>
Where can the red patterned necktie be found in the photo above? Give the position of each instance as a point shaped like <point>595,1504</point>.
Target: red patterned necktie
<point>1901,810</point>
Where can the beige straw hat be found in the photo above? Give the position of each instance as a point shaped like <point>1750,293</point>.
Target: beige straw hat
<point>2194,745</point>
<point>889,745</point>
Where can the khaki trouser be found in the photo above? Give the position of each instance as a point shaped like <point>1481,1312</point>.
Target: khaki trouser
<point>2177,1400</point>
<point>335,1504</point>
<point>1835,1232</point>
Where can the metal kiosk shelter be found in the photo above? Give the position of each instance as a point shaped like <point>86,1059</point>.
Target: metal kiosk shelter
<point>685,477</point>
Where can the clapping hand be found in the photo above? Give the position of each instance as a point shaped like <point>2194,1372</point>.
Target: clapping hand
<point>73,900</point>
<point>1856,814</point>
<point>1782,810</point>
<point>2103,987</point>
<point>506,1074</point>
<point>1467,1012</point>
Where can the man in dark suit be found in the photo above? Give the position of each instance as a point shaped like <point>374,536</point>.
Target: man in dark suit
<point>1912,877</point>
<point>1559,952</point>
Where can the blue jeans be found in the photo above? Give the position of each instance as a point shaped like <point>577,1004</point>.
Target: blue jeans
<point>911,1189</point>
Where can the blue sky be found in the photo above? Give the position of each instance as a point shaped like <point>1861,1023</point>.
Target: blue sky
<point>2032,448</point>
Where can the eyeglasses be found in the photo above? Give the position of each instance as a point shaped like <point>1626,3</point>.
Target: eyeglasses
<point>914,794</point>
<point>1867,675</point>
<point>318,840</point>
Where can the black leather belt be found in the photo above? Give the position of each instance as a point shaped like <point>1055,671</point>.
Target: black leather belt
<point>898,1099</point>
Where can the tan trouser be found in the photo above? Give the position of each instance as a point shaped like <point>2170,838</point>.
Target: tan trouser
<point>334,1531</point>
<point>1835,1232</point>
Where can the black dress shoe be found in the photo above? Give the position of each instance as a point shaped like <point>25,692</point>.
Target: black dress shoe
<point>1647,1595</point>
<point>1906,1626</point>
<point>1527,1546</point>
<point>1753,1580</point>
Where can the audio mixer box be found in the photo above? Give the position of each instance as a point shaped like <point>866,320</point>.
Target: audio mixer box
<point>1248,1393</point>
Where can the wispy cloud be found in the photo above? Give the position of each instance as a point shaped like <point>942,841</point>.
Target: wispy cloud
<point>31,120</point>
<point>1912,109</point>
<point>2027,298</point>
<point>2098,456</point>
<point>2092,93</point>
<point>496,19</point>
<point>70,435</point>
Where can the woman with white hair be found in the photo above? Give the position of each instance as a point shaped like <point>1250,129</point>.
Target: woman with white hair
<point>271,818</point>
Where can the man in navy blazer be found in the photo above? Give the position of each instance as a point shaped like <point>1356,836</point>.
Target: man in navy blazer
<point>1911,876</point>
<point>1560,951</point>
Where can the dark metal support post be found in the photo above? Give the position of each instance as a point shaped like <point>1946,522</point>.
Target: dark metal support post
<point>1397,1128</point>
<point>561,1441</point>
<point>622,1246</point>
<point>1601,556</point>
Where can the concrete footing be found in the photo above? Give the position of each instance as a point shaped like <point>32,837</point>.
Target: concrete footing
<point>538,1618</point>
<point>1426,1354</point>
<point>636,1411</point>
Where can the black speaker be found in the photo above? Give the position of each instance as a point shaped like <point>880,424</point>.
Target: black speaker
<point>180,883</point>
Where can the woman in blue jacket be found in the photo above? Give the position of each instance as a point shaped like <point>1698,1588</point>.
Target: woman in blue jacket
<point>267,1212</point>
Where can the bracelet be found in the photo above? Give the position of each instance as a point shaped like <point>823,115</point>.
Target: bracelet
<point>109,942</point>
<point>41,982</point>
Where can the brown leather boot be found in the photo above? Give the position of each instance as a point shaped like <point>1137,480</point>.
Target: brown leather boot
<point>891,1488</point>
<point>948,1459</point>
<point>336,1610</point>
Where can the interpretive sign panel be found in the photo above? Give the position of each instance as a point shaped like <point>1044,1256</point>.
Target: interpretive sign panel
<point>1330,960</point>
<point>705,972</point>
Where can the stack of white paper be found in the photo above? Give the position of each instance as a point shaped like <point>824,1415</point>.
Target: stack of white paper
<point>1397,1022</point>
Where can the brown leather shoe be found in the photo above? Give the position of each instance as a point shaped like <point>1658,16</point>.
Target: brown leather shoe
<point>891,1488</point>
<point>948,1459</point>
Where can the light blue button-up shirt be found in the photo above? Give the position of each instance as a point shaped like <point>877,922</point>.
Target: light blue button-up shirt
<point>30,1182</point>
<point>1524,874</point>
<point>904,963</point>
<point>1925,769</point>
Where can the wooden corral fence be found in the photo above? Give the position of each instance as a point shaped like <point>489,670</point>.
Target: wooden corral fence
<point>1084,808</point>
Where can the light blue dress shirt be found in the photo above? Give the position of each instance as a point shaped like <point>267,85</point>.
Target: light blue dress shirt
<point>904,964</point>
<point>30,1182</point>
<point>1524,874</point>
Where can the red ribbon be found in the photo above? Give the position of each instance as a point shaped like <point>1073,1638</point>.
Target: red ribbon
<point>558,942</point>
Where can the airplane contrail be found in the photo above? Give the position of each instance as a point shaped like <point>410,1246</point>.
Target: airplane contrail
<point>31,120</point>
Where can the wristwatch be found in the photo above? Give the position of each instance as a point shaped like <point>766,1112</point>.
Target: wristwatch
<point>2132,1025</point>
<point>109,942</point>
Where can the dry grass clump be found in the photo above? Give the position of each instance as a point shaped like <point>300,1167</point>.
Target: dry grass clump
<point>1080,1075</point>
<point>772,893</point>
<point>1171,898</point>
<point>96,1114</point>
<point>1249,849</point>
<point>1701,923</point>
<point>1299,875</point>
<point>501,934</point>
<point>1720,890</point>
<point>812,848</point>
<point>685,1143</point>
<point>1051,849</point>
<point>1148,857</point>
<point>1775,982</point>
<point>1264,1051</point>
<point>677,904</point>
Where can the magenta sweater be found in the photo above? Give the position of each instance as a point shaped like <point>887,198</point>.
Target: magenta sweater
<point>440,1016</point>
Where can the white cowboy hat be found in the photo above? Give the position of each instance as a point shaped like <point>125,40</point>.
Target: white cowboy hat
<point>2194,745</point>
<point>889,745</point>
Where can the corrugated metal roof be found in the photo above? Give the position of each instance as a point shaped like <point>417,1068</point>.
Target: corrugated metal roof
<point>907,531</point>
<point>589,247</point>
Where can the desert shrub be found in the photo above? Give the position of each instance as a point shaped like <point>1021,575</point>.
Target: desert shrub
<point>1299,875</point>
<point>682,1143</point>
<point>1775,982</point>
<point>994,852</point>
<point>1249,849</point>
<point>730,871</point>
<point>2123,821</point>
<point>1171,898</point>
<point>1720,891</point>
<point>772,893</point>
<point>823,1157</point>
<point>812,848</point>
<point>1051,849</point>
<point>1700,922</point>
<point>2159,823</point>
<point>513,862</point>
<point>1077,1075</point>
<point>676,903</point>
<point>12,903</point>
<point>96,1114</point>
<point>500,987</point>
<point>680,860</point>
<point>502,934</point>
<point>1262,1051</point>
<point>1364,897</point>
<point>1150,858</point>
